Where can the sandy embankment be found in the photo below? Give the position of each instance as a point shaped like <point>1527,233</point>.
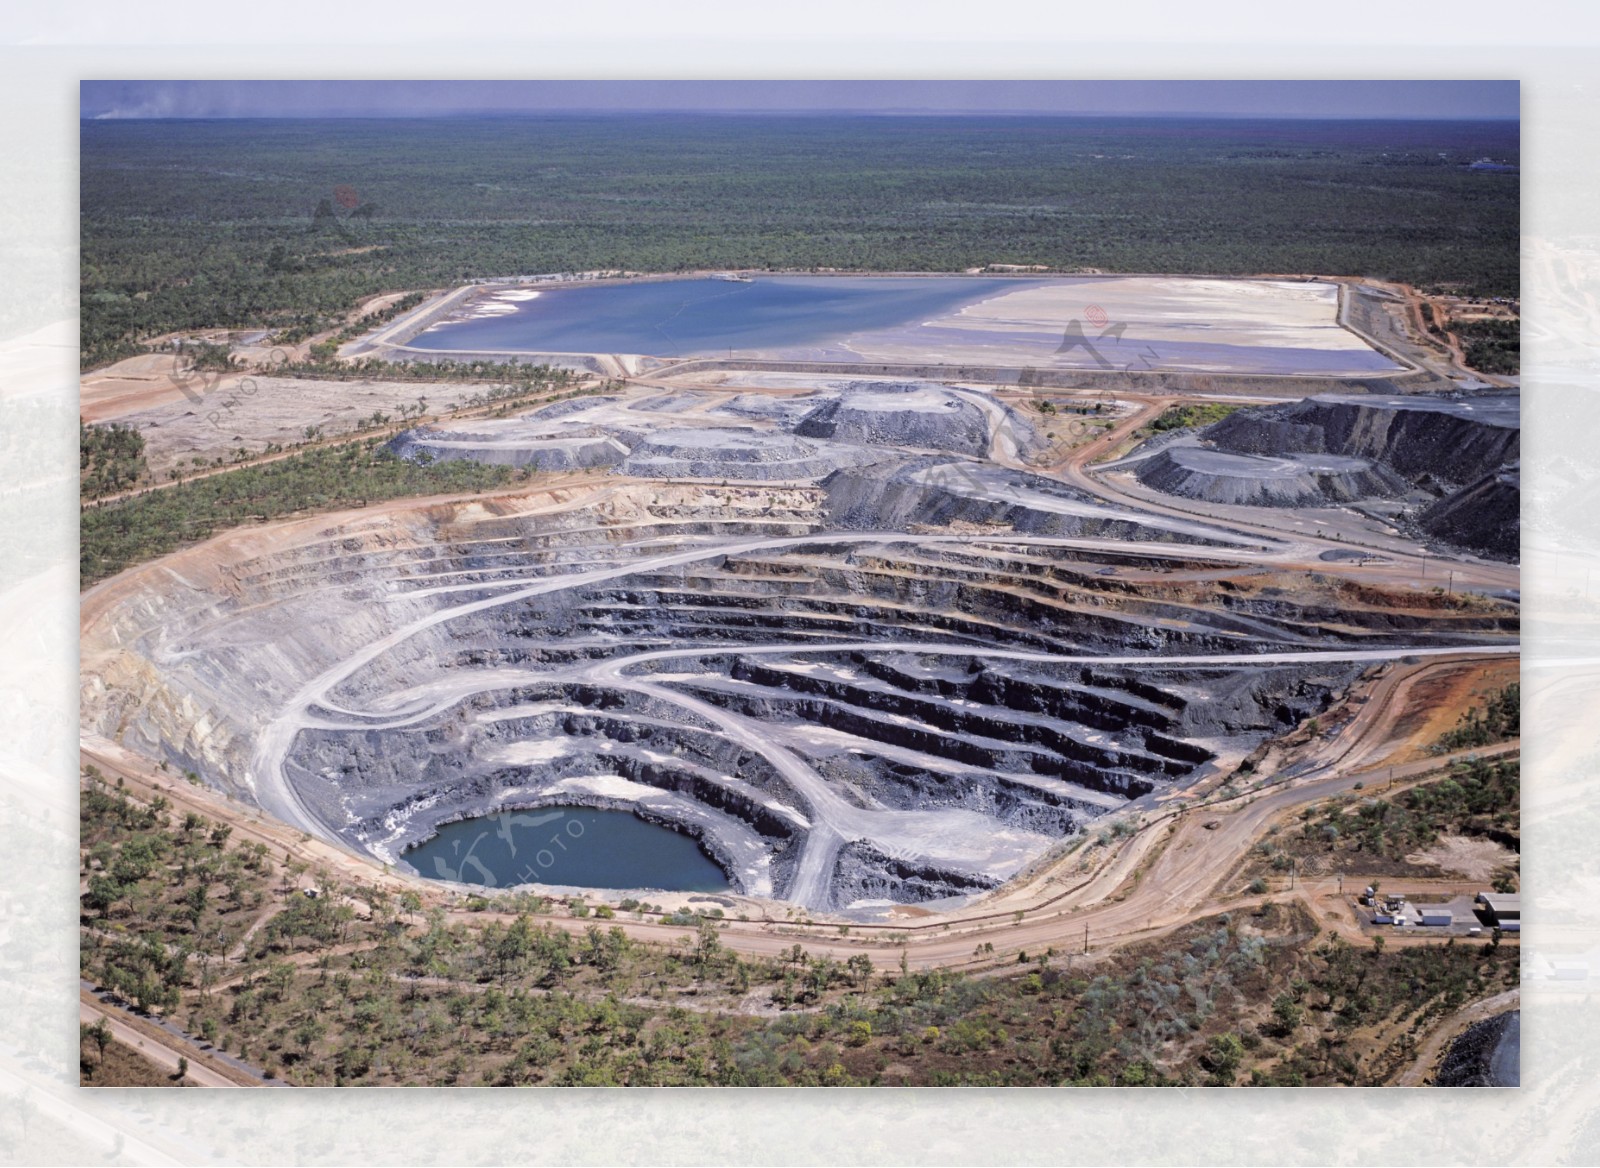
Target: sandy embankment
<point>1207,325</point>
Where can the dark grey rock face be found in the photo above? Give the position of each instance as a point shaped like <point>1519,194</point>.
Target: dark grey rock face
<point>865,873</point>
<point>512,443</point>
<point>1452,441</point>
<point>931,492</point>
<point>1485,515</point>
<point>1488,1054</point>
<point>737,453</point>
<point>1463,452</point>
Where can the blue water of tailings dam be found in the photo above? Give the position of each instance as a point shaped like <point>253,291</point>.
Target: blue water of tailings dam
<point>580,846</point>
<point>705,317</point>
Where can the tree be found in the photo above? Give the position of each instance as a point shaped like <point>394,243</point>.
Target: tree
<point>708,944</point>
<point>515,946</point>
<point>1222,1058</point>
<point>101,1033</point>
<point>195,904</point>
<point>309,1032</point>
<point>103,892</point>
<point>860,967</point>
<point>1289,1014</point>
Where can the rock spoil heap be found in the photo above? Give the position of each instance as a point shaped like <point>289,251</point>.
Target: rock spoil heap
<point>1452,460</point>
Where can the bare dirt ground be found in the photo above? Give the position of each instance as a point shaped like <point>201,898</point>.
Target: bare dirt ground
<point>250,412</point>
<point>1476,859</point>
<point>139,384</point>
<point>1447,696</point>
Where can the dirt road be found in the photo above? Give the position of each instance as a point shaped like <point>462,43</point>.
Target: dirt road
<point>161,1047</point>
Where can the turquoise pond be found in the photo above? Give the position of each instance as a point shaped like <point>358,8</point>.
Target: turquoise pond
<point>580,846</point>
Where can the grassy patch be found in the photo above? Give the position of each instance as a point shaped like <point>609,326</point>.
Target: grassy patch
<point>112,1064</point>
<point>114,536</point>
<point>1183,417</point>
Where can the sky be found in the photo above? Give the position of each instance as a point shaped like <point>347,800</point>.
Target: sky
<point>1295,99</point>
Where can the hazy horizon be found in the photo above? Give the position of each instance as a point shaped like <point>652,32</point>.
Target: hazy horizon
<point>1254,100</point>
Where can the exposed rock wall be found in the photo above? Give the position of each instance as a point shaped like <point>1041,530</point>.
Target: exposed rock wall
<point>1462,452</point>
<point>1485,515</point>
<point>1450,442</point>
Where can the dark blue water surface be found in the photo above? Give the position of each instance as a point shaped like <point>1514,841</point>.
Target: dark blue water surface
<point>578,846</point>
<point>686,318</point>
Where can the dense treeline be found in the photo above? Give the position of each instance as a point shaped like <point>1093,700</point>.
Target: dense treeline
<point>511,377</point>
<point>110,459</point>
<point>113,536</point>
<point>1491,346</point>
<point>194,224</point>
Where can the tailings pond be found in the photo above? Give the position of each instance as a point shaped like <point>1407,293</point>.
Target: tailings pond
<point>705,317</point>
<point>1136,322</point>
<point>578,846</point>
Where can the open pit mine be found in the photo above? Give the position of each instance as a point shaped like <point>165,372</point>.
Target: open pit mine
<point>857,639</point>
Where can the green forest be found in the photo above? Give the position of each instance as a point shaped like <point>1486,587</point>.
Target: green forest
<point>282,223</point>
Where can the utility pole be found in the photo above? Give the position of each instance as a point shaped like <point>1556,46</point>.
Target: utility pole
<point>1086,936</point>
<point>1450,589</point>
<point>1291,875</point>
